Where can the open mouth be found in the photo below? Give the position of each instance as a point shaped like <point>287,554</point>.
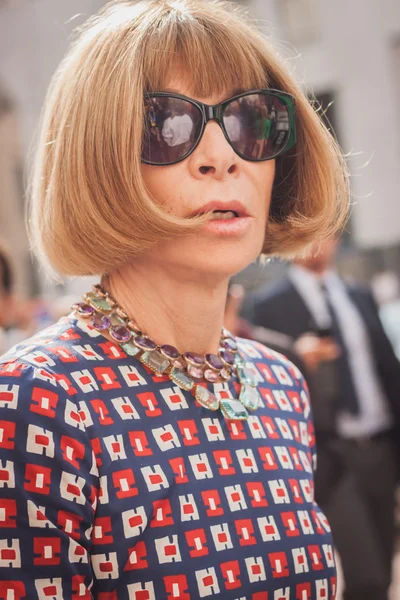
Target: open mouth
<point>223,214</point>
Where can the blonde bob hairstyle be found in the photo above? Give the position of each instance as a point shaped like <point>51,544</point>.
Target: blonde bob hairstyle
<point>90,210</point>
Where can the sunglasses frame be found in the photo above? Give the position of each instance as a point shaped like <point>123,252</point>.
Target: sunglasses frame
<point>215,113</point>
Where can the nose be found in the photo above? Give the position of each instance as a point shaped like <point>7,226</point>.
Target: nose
<point>214,156</point>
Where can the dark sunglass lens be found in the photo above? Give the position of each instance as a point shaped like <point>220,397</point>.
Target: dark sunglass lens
<point>171,129</point>
<point>258,125</point>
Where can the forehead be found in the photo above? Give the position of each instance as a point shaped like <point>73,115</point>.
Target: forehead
<point>209,79</point>
<point>180,83</point>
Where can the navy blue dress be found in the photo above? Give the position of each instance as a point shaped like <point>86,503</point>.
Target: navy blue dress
<point>116,485</point>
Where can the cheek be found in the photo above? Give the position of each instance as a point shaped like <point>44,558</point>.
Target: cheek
<point>263,179</point>
<point>155,179</point>
<point>164,184</point>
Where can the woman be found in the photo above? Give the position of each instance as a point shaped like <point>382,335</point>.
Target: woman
<point>146,453</point>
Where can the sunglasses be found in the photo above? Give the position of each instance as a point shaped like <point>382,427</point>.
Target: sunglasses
<point>258,124</point>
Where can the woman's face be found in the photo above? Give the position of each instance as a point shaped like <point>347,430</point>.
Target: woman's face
<point>213,173</point>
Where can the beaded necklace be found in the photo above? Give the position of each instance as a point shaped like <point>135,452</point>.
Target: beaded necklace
<point>188,370</point>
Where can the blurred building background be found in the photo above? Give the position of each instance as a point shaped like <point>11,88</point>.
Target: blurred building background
<point>345,52</point>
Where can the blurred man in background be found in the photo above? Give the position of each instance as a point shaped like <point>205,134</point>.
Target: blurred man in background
<point>386,288</point>
<point>6,297</point>
<point>356,402</point>
<point>16,316</point>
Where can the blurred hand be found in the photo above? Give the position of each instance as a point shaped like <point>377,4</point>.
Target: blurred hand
<point>314,350</point>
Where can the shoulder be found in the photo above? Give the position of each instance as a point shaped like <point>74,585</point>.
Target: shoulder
<point>277,372</point>
<point>42,409</point>
<point>37,375</point>
<point>284,392</point>
<point>45,441</point>
<point>256,351</point>
<point>361,292</point>
<point>63,331</point>
<point>357,287</point>
<point>59,348</point>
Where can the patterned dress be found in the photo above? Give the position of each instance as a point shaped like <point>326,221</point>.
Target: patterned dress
<point>116,485</point>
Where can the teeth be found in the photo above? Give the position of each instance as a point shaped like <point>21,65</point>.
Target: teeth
<point>224,215</point>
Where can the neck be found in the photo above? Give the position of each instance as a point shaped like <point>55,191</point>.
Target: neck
<point>171,308</point>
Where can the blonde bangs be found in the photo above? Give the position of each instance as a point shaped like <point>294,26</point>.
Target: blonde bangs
<point>216,57</point>
<point>90,209</point>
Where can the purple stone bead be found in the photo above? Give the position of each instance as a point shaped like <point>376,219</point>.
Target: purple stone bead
<point>100,322</point>
<point>144,343</point>
<point>194,359</point>
<point>215,362</point>
<point>227,356</point>
<point>195,372</point>
<point>84,309</point>
<point>120,333</point>
<point>170,352</point>
<point>211,375</point>
<point>179,364</point>
<point>226,374</point>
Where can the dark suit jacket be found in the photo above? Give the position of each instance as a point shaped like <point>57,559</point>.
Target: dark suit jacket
<point>282,308</point>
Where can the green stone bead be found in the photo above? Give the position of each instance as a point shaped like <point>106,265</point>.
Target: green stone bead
<point>130,349</point>
<point>206,398</point>
<point>100,304</point>
<point>155,361</point>
<point>117,321</point>
<point>180,378</point>
<point>239,360</point>
<point>246,376</point>
<point>249,397</point>
<point>233,410</point>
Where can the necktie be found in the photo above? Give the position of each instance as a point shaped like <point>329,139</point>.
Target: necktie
<point>348,400</point>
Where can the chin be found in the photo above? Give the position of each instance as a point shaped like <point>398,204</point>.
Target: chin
<point>210,260</point>
<point>226,262</point>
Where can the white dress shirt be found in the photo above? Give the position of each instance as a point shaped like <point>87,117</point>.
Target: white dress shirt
<point>374,415</point>
<point>177,130</point>
<point>232,126</point>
